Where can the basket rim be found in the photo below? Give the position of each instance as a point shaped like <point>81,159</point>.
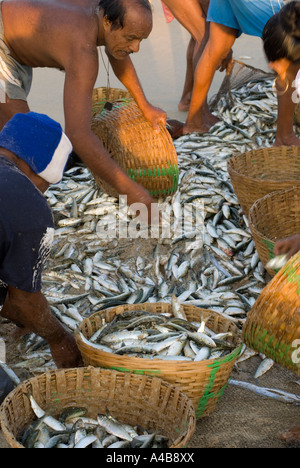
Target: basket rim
<point>272,149</point>
<point>184,437</point>
<point>263,200</point>
<point>171,363</point>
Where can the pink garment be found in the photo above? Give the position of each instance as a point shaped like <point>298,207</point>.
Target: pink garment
<point>167,12</point>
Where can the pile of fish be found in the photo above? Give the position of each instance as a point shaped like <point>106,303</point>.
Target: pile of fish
<point>211,264</point>
<point>160,336</point>
<point>73,429</point>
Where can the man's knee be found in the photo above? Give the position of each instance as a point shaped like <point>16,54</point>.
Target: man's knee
<point>221,40</point>
<point>204,5</point>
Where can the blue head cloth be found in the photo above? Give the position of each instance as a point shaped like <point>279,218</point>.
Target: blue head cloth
<point>40,142</point>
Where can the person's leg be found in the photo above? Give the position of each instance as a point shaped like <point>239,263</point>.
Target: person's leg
<point>220,42</point>
<point>192,15</point>
<point>184,103</point>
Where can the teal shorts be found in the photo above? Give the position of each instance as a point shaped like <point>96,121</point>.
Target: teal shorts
<point>15,79</point>
<point>246,16</point>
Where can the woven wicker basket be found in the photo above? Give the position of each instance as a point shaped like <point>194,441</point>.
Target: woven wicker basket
<point>274,217</point>
<point>273,324</point>
<point>259,172</point>
<point>132,399</point>
<point>203,382</point>
<point>103,95</point>
<point>148,158</point>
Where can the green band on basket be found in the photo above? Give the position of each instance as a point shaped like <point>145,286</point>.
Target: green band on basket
<point>208,394</point>
<point>270,246</point>
<point>292,276</point>
<point>171,171</point>
<point>262,340</point>
<point>134,371</point>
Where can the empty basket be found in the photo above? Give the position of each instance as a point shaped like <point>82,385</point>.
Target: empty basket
<point>259,172</point>
<point>274,217</point>
<point>148,158</point>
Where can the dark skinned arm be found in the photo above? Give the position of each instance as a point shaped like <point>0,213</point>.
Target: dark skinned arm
<point>78,91</point>
<point>289,246</point>
<point>31,311</point>
<point>126,73</point>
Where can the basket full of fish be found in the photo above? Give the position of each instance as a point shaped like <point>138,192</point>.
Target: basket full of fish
<point>273,324</point>
<point>96,408</point>
<point>271,218</point>
<point>257,173</point>
<point>194,349</point>
<point>148,158</point>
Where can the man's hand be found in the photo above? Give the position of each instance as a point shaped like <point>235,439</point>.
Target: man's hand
<point>65,353</point>
<point>227,63</point>
<point>289,246</point>
<point>32,311</point>
<point>136,196</point>
<point>155,116</point>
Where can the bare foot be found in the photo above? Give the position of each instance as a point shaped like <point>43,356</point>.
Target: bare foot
<point>289,140</point>
<point>200,124</point>
<point>184,104</point>
<point>291,435</point>
<point>187,129</point>
<point>213,120</point>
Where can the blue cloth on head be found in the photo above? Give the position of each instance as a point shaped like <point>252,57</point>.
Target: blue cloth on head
<point>246,16</point>
<point>40,142</point>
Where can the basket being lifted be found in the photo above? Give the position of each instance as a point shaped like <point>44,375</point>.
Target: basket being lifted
<point>148,158</point>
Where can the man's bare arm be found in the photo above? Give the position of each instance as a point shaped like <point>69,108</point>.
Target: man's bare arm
<point>31,311</point>
<point>79,83</point>
<point>126,73</point>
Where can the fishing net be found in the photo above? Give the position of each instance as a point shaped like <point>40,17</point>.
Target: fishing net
<point>237,75</point>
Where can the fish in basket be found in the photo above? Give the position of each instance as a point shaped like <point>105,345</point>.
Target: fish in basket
<point>195,349</point>
<point>96,408</point>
